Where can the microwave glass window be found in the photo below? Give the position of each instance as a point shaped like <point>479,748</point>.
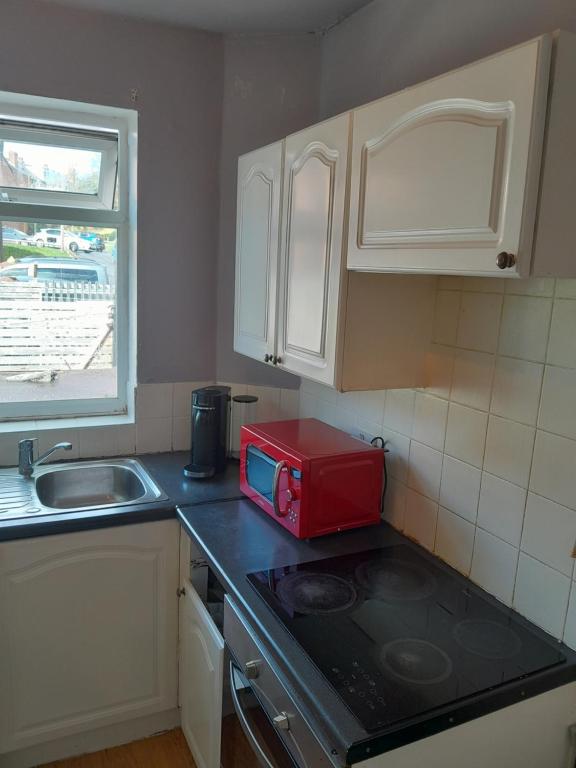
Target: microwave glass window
<point>260,471</point>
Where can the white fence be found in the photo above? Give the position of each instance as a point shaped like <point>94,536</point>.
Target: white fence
<point>54,327</point>
<point>58,290</point>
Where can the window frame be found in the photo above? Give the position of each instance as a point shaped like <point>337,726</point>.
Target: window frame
<point>123,219</point>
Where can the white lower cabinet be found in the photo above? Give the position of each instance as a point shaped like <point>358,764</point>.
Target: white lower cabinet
<point>201,679</point>
<point>88,634</point>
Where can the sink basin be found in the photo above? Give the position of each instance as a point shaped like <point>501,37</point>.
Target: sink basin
<point>89,486</point>
<point>77,487</point>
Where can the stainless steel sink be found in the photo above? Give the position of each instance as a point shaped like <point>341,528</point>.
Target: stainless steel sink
<point>77,487</point>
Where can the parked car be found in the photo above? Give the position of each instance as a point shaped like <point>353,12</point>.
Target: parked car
<point>67,270</point>
<point>54,237</point>
<point>11,235</point>
<point>95,240</point>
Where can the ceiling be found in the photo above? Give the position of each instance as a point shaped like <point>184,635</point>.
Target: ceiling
<point>243,16</point>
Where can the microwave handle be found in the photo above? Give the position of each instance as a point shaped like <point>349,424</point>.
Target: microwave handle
<point>259,752</point>
<point>280,467</point>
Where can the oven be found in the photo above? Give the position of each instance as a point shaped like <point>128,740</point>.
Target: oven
<point>278,732</point>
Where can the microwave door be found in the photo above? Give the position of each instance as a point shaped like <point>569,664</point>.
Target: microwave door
<point>263,474</point>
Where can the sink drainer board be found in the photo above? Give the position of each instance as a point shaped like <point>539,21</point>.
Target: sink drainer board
<point>16,496</point>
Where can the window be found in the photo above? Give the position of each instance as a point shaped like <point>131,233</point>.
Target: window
<point>67,234</point>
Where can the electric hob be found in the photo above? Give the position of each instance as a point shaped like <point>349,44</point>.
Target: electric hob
<point>398,634</point>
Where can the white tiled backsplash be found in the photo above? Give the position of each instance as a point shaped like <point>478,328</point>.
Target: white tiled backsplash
<point>482,461</point>
<point>162,423</point>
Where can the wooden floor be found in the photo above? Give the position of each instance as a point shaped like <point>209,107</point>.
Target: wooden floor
<point>169,750</point>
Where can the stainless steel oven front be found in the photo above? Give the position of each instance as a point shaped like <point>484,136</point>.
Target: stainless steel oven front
<point>278,733</point>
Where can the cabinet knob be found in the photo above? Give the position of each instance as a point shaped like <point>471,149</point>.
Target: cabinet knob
<point>505,260</point>
<point>252,669</point>
<point>282,722</point>
<point>277,360</point>
<point>267,358</point>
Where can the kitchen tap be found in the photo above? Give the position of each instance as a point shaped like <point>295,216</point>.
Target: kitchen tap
<point>26,462</point>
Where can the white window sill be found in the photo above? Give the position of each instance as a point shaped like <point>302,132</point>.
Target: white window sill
<point>77,422</point>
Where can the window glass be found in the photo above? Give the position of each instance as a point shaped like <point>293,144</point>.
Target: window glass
<point>58,310</point>
<point>58,169</point>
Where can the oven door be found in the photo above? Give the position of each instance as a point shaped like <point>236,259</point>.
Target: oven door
<point>267,746</point>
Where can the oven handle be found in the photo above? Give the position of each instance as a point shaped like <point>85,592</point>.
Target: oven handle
<point>261,756</point>
<point>280,467</point>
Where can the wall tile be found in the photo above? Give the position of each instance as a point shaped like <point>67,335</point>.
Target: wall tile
<point>289,403</point>
<point>483,284</point>
<point>9,446</point>
<point>554,469</point>
<point>566,288</point>
<point>466,434</point>
<point>425,470</point>
<point>395,504</point>
<point>516,390</point>
<point>397,458</point>
<point>446,317</point>
<point>430,414</point>
<point>460,488</point>
<point>97,442</point>
<point>570,626</point>
<point>562,344</point>
<point>542,594</point>
<point>420,519</point>
<point>438,370</point>
<point>525,325</point>
<point>558,406</point>
<point>478,321</point>
<point>549,533</point>
<point>181,434</point>
<point>154,435</point>
<point>494,565</point>
<point>509,450</point>
<point>126,439</point>
<point>367,406</point>
<point>501,508</point>
<point>454,540</point>
<point>472,379</point>
<point>532,286</point>
<point>399,410</point>
<point>154,401</point>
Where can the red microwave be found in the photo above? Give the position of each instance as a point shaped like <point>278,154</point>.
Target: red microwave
<point>311,478</point>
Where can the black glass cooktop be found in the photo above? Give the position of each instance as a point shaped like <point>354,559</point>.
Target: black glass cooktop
<point>397,634</point>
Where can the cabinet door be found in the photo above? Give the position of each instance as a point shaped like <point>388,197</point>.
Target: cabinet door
<point>311,284</point>
<point>89,630</point>
<point>257,231</point>
<point>445,174</point>
<point>201,679</point>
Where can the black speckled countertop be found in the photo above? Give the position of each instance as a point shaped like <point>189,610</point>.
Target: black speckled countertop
<point>166,470</point>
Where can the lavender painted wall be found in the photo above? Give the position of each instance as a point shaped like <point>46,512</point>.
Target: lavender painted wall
<point>270,90</point>
<point>389,45</point>
<point>53,51</point>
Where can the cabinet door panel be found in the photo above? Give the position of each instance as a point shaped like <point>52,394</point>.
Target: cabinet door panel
<point>444,175</point>
<point>89,631</point>
<point>201,671</point>
<point>259,188</point>
<point>315,169</point>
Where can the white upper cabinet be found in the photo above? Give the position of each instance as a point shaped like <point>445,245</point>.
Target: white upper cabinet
<point>315,167</point>
<point>257,231</point>
<point>445,174</point>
